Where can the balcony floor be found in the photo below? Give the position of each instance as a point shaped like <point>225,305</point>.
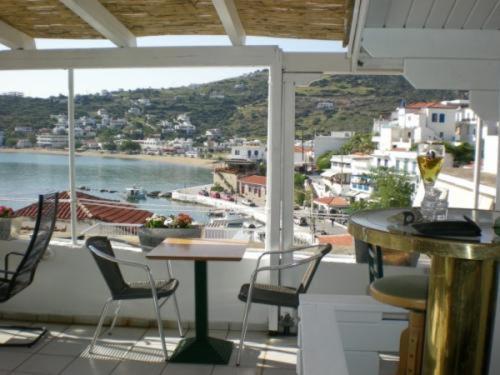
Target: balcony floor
<point>138,351</point>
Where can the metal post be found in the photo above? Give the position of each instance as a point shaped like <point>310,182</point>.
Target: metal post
<point>274,175</point>
<point>497,201</point>
<point>477,161</point>
<point>71,143</point>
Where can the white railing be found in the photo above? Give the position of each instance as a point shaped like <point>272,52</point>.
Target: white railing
<point>112,229</point>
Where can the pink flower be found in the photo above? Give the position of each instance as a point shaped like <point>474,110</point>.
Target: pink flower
<point>6,212</point>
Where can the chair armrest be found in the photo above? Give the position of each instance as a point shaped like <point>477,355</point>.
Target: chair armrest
<point>129,263</point>
<point>6,260</point>
<point>288,265</point>
<point>292,250</point>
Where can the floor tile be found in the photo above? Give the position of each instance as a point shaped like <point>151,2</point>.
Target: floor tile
<point>44,364</point>
<point>11,360</point>
<point>187,369</point>
<point>65,346</point>
<point>231,370</point>
<point>130,367</point>
<point>279,371</point>
<point>84,366</point>
<point>281,358</point>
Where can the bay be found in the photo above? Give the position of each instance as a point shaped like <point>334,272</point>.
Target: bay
<point>25,175</point>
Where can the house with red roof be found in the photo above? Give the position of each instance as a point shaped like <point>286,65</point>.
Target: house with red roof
<point>330,204</point>
<point>91,210</point>
<point>253,188</point>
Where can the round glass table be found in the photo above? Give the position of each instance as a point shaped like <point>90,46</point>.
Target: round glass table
<point>462,285</point>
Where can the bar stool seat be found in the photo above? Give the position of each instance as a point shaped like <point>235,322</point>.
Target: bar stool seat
<point>408,292</point>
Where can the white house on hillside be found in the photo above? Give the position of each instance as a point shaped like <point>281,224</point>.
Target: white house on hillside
<point>249,150</point>
<point>332,142</point>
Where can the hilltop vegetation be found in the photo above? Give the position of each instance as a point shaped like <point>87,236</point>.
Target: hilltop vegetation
<point>237,106</point>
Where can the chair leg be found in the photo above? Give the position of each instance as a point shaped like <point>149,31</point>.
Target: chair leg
<point>179,323</point>
<point>243,330</point>
<point>416,329</point>
<point>115,317</point>
<point>99,325</point>
<point>160,326</point>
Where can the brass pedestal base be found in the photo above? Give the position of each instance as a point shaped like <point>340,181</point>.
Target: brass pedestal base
<point>461,303</point>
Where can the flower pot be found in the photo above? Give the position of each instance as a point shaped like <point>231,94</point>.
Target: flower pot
<point>5,228</point>
<point>152,237</point>
<point>390,257</point>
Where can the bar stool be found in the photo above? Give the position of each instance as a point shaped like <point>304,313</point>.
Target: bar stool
<point>407,292</point>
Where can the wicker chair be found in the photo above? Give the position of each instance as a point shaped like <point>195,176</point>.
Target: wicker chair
<point>278,295</point>
<point>15,281</point>
<point>108,264</point>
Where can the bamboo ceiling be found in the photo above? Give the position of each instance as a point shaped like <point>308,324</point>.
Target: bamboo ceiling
<point>303,19</point>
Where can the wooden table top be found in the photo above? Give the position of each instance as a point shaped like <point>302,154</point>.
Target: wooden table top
<point>199,249</point>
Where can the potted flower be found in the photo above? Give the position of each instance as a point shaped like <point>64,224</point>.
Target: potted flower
<point>158,227</point>
<point>6,214</point>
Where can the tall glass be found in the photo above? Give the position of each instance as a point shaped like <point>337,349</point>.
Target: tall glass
<point>430,159</point>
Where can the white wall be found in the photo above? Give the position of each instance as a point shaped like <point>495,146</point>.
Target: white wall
<point>68,283</point>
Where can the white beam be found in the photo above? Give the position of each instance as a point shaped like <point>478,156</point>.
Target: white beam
<point>228,15</point>
<point>274,175</point>
<point>14,38</point>
<point>477,162</point>
<point>314,62</point>
<point>485,105</point>
<point>72,165</point>
<point>360,24</point>
<point>427,43</point>
<point>144,57</point>
<point>452,74</point>
<point>105,23</point>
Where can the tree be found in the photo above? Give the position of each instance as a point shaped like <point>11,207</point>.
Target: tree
<point>109,146</point>
<point>359,142</point>
<point>323,161</point>
<point>390,189</point>
<point>462,154</point>
<point>130,146</point>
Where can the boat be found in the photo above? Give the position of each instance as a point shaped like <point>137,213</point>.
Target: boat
<point>216,213</point>
<point>153,194</point>
<point>135,194</point>
<point>229,219</point>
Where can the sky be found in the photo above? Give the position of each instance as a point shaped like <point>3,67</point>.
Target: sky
<point>45,83</point>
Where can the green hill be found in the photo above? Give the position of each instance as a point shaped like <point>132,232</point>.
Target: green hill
<point>238,106</point>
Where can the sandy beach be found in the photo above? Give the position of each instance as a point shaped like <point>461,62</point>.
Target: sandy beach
<point>179,160</point>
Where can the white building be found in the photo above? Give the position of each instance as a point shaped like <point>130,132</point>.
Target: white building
<point>152,145</point>
<point>134,111</point>
<point>249,150</point>
<point>52,140</point>
<point>302,155</point>
<point>332,142</point>
<point>23,129</point>
<point>449,121</point>
<point>117,123</point>
<point>24,143</point>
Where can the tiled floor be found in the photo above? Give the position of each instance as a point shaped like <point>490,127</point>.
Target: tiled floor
<point>138,351</point>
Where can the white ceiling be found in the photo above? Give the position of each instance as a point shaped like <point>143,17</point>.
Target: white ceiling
<point>434,14</point>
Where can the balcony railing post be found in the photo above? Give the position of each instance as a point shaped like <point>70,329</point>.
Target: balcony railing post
<point>71,144</point>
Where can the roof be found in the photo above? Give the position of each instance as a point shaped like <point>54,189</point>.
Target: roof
<point>254,180</point>
<point>337,239</point>
<point>300,149</point>
<point>92,208</point>
<point>439,105</point>
<point>312,19</point>
<point>332,201</point>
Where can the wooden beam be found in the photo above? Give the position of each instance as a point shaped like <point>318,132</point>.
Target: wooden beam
<point>14,38</point>
<point>228,15</point>
<point>97,16</point>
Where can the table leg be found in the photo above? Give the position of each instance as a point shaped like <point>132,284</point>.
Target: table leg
<point>202,348</point>
<point>460,311</point>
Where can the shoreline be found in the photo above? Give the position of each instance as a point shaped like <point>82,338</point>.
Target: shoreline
<point>178,160</point>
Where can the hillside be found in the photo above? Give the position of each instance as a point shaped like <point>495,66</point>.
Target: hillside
<point>238,106</point>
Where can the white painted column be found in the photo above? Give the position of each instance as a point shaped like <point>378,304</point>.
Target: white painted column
<point>72,166</point>
<point>477,161</point>
<point>274,173</point>
<point>497,200</point>
<point>288,164</point>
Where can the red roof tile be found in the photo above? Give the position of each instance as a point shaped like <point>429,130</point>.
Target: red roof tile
<point>91,207</point>
<point>420,105</point>
<point>254,180</point>
<point>300,148</point>
<point>332,201</point>
<point>337,239</point>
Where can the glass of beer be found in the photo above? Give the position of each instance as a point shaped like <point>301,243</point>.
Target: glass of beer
<point>430,158</point>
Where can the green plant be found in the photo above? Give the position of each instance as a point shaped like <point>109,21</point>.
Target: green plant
<point>6,212</point>
<point>159,221</point>
<point>217,188</point>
